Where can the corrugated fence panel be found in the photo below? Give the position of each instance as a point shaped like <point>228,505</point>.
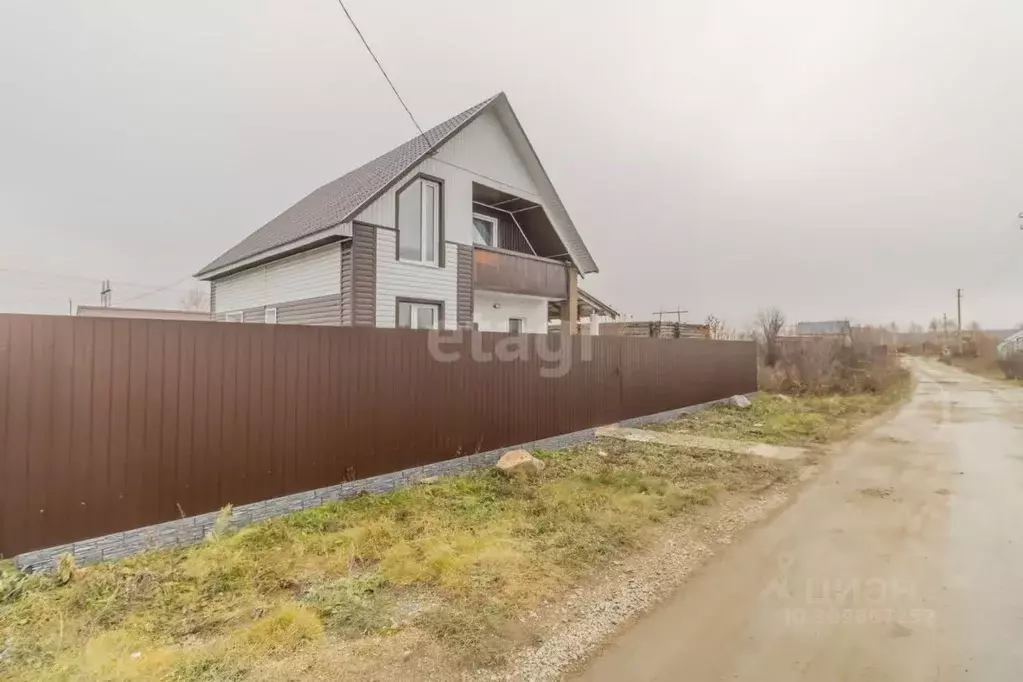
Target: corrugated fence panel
<point>108,425</point>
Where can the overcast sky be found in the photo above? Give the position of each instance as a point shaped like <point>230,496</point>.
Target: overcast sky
<point>854,158</point>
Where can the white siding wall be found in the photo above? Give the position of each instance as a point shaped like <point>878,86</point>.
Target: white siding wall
<point>305,275</point>
<point>410,280</point>
<point>482,147</point>
<point>485,149</point>
<point>490,319</point>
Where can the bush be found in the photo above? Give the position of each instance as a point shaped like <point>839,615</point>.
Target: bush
<point>823,366</point>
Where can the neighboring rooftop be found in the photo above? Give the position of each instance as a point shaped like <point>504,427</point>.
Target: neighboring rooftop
<point>830,327</point>
<point>142,313</point>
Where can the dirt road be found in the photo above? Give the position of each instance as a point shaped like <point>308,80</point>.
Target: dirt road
<point>902,561</point>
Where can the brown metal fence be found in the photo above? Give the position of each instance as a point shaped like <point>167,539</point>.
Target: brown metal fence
<point>112,424</point>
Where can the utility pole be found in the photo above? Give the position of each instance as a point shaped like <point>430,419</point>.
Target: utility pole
<point>104,294</point>
<point>944,325</point>
<point>959,315</point>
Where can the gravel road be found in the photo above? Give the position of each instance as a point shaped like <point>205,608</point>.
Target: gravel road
<point>901,561</point>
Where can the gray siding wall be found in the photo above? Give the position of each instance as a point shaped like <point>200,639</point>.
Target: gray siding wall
<point>464,311</point>
<point>324,310</point>
<point>346,283</point>
<point>364,274</point>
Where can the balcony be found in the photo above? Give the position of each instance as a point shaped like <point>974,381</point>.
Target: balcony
<point>510,272</point>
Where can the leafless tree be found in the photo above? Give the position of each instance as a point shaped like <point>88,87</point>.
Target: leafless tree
<point>894,327</point>
<point>197,298</point>
<point>715,327</point>
<point>933,325</point>
<point>915,328</point>
<point>770,322</point>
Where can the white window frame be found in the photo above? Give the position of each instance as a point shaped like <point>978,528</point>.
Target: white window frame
<point>270,316</point>
<point>422,183</point>
<point>522,325</point>
<point>493,229</point>
<point>414,308</point>
<point>234,316</point>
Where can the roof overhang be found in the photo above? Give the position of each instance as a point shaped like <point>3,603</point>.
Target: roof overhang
<point>304,244</point>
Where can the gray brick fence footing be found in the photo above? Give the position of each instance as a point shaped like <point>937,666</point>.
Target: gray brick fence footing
<point>192,529</point>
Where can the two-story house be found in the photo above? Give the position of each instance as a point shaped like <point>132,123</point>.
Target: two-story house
<point>458,227</point>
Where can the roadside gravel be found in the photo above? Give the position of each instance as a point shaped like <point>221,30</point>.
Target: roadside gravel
<point>584,620</point>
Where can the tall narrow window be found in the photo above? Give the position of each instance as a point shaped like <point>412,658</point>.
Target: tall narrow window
<point>419,222</point>
<point>484,230</point>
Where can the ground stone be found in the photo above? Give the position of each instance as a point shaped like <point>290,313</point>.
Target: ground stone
<point>739,401</point>
<point>519,462</point>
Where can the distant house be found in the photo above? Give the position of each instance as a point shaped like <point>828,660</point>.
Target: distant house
<point>142,313</point>
<point>828,328</point>
<point>1011,344</point>
<point>459,227</point>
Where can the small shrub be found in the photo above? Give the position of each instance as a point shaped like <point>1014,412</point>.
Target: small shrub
<point>65,569</point>
<point>286,629</point>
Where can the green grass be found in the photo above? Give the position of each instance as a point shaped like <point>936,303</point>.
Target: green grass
<point>454,562</point>
<point>803,420</point>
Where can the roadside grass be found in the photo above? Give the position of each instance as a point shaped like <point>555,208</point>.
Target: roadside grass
<point>983,367</point>
<point>456,562</point>
<point>796,420</point>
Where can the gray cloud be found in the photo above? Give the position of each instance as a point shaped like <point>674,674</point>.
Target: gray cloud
<point>858,158</point>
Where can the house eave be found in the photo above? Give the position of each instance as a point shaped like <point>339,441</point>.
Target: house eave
<point>306,243</point>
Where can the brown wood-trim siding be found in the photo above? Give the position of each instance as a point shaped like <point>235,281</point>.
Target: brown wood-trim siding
<point>422,301</point>
<point>322,310</point>
<point>519,273</point>
<point>364,275</point>
<point>509,236</point>
<point>464,310</point>
<point>346,282</point>
<point>440,236</point>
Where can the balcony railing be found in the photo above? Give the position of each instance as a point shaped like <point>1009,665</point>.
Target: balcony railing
<point>510,272</point>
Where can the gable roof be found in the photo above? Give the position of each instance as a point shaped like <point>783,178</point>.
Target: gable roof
<point>341,200</point>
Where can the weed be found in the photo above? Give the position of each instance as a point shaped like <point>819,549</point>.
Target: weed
<point>286,629</point>
<point>479,548</point>
<point>480,633</point>
<point>798,421</point>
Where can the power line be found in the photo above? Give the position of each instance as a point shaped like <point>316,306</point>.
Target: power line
<point>381,67</point>
<point>154,291</point>
<point>82,278</point>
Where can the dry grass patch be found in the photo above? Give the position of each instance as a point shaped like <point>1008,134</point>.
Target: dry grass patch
<point>452,564</point>
<point>981,366</point>
<point>799,420</point>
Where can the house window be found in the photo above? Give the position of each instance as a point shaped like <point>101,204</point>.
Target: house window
<point>233,317</point>
<point>516,325</point>
<point>418,315</point>
<point>484,230</point>
<point>270,316</point>
<point>419,222</point>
